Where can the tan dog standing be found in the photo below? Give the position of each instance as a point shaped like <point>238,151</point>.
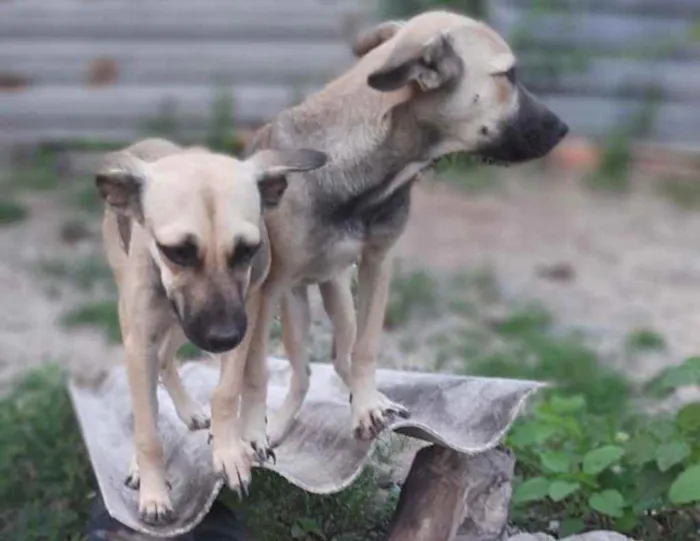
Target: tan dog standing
<point>185,237</point>
<point>436,84</point>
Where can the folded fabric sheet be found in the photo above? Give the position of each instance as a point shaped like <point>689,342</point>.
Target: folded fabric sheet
<point>467,414</point>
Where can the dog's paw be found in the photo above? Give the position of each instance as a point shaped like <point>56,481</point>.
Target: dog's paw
<point>156,509</point>
<point>198,421</point>
<point>192,415</point>
<point>372,413</point>
<point>133,478</point>
<point>233,460</point>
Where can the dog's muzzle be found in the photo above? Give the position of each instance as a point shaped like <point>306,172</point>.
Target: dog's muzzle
<point>214,331</point>
<point>532,133</point>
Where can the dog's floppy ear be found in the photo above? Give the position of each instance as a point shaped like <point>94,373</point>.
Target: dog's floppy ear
<point>371,39</point>
<point>273,165</point>
<point>430,65</point>
<point>120,180</point>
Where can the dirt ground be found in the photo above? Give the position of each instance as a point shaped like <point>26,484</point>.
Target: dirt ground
<point>605,264</point>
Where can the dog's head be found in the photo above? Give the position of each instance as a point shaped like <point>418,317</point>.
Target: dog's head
<point>202,216</point>
<point>464,84</point>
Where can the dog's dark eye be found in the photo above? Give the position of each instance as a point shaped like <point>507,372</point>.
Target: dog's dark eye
<point>510,75</point>
<point>183,255</point>
<point>243,254</point>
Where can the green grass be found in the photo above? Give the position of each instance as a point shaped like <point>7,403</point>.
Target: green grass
<point>101,315</point>
<point>85,274</point>
<point>86,197</point>
<point>39,174</point>
<point>682,192</point>
<point>46,484</point>
<point>278,510</point>
<point>645,340</point>
<point>12,212</point>
<point>413,294</point>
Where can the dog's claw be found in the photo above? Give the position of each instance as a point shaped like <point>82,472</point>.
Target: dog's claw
<point>210,437</point>
<point>132,481</point>
<point>242,487</point>
<point>233,463</point>
<point>263,453</point>
<point>372,420</point>
<point>199,423</point>
<point>157,514</point>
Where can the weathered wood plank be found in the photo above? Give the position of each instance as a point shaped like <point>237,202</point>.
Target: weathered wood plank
<point>616,77</point>
<point>598,31</point>
<point>149,63</point>
<point>678,123</point>
<point>126,106</point>
<point>651,8</point>
<point>125,19</point>
<point>129,108</point>
<point>41,8</point>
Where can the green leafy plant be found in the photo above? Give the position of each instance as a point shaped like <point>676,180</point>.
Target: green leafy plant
<point>221,135</point>
<point>621,470</point>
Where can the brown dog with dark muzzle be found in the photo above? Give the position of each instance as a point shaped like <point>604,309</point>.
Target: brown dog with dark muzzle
<point>186,240</point>
<point>437,84</point>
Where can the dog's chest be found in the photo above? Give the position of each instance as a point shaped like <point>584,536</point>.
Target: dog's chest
<point>344,233</point>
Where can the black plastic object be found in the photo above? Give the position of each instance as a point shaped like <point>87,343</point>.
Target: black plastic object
<point>220,524</point>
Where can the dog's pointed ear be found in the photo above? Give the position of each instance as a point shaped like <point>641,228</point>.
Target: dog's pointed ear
<point>120,180</point>
<point>273,166</point>
<point>373,38</point>
<point>430,65</point>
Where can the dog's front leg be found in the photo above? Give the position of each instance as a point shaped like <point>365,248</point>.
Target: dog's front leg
<point>142,372</point>
<point>187,409</point>
<point>371,410</point>
<point>232,456</point>
<point>254,394</point>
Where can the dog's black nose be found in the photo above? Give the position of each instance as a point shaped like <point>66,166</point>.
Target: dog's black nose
<point>223,338</point>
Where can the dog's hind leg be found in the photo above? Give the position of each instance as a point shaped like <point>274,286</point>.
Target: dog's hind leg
<point>339,305</point>
<point>187,409</point>
<point>296,322</point>
<point>371,410</point>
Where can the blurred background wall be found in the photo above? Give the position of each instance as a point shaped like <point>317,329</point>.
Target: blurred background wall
<point>112,70</point>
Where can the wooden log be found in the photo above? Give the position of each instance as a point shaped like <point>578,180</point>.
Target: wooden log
<point>447,493</point>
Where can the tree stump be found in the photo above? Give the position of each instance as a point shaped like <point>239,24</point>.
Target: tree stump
<point>447,492</point>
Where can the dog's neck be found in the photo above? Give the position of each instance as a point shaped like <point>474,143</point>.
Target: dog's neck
<point>375,142</point>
